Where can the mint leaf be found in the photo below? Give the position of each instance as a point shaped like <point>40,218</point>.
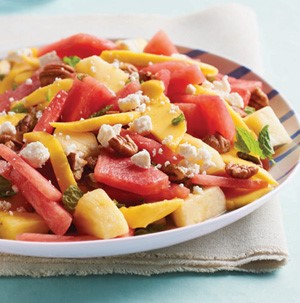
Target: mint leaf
<point>249,110</point>
<point>178,119</point>
<point>19,108</point>
<point>101,112</point>
<point>72,60</point>
<point>265,143</point>
<point>5,188</point>
<point>70,197</point>
<point>246,143</point>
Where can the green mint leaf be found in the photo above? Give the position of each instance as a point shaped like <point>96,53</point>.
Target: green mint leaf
<point>178,119</point>
<point>151,228</point>
<point>72,60</point>
<point>48,95</point>
<point>14,86</point>
<point>246,143</point>
<point>249,110</point>
<point>5,188</point>
<point>70,197</point>
<point>265,143</point>
<point>81,76</point>
<point>101,112</point>
<point>19,108</point>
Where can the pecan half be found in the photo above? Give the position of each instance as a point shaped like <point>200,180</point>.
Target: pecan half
<point>11,142</point>
<point>124,146</point>
<point>128,68</point>
<point>218,142</point>
<point>240,171</point>
<point>25,125</point>
<point>77,165</point>
<point>175,173</point>
<point>55,71</point>
<point>258,99</point>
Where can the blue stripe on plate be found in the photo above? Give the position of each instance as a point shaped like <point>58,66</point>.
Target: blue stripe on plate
<point>289,151</point>
<point>239,72</point>
<point>296,134</point>
<point>287,116</point>
<point>272,94</point>
<point>195,53</point>
<point>287,173</point>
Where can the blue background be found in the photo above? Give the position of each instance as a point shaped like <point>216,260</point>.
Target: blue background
<point>279,24</point>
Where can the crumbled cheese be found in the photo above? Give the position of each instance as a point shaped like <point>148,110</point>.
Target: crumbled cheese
<point>188,168</point>
<point>39,114</point>
<point>21,209</point>
<point>206,157</point>
<point>188,151</point>
<point>174,109</point>
<point>70,148</point>
<point>142,125</point>
<point>197,190</point>
<point>142,159</point>
<point>167,163</point>
<point>7,128</point>
<point>68,137</point>
<point>158,166</point>
<point>116,63</point>
<point>181,185</point>
<point>134,76</point>
<point>36,154</point>
<point>154,151</point>
<point>180,56</point>
<point>11,99</point>
<point>5,206</point>
<point>222,86</point>
<point>93,69</point>
<point>17,56</point>
<point>106,132</point>
<point>28,81</point>
<point>141,108</point>
<point>15,188</point>
<point>11,113</point>
<point>167,140</point>
<point>190,89</point>
<point>160,151</point>
<point>132,101</point>
<point>3,113</point>
<point>235,99</point>
<point>208,85</point>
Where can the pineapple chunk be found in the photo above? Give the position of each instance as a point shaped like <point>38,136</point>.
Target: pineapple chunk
<point>86,143</point>
<point>242,200</point>
<point>15,223</point>
<point>266,116</point>
<point>97,215</point>
<point>145,214</point>
<point>198,208</point>
<point>113,77</point>
<point>216,157</point>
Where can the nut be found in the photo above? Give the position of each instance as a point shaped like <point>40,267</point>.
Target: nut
<point>128,68</point>
<point>77,165</point>
<point>124,146</point>
<point>240,171</point>
<point>218,142</point>
<point>258,99</point>
<point>11,142</point>
<point>175,173</point>
<point>55,71</point>
<point>145,76</point>
<point>26,124</point>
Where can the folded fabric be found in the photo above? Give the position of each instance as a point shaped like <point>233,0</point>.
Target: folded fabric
<point>255,243</point>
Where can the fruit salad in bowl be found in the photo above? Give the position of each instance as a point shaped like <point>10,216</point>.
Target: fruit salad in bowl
<point>104,139</point>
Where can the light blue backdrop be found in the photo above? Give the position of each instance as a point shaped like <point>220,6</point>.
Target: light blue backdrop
<point>279,27</point>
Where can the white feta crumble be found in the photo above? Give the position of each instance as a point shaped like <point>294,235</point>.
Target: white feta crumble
<point>3,113</point>
<point>188,151</point>
<point>222,86</point>
<point>174,108</point>
<point>132,101</point>
<point>7,128</point>
<point>160,151</point>
<point>190,89</point>
<point>206,157</point>
<point>167,140</point>
<point>68,137</point>
<point>235,99</point>
<point>5,206</point>
<point>142,125</point>
<point>93,69</point>
<point>158,166</point>
<point>11,99</point>
<point>11,113</point>
<point>36,154</point>
<point>197,190</point>
<point>106,132</point>
<point>134,76</point>
<point>39,114</point>
<point>70,148</point>
<point>15,188</point>
<point>142,159</point>
<point>141,108</point>
<point>167,163</point>
<point>188,168</point>
<point>17,56</point>
<point>28,81</point>
<point>116,63</point>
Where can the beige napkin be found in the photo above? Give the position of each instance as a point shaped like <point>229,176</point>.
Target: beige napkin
<point>253,244</point>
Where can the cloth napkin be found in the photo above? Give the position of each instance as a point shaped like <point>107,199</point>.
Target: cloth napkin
<point>255,243</point>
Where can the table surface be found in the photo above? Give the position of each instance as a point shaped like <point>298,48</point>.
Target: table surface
<point>279,27</point>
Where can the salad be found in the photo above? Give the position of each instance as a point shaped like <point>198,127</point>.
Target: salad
<point>104,139</point>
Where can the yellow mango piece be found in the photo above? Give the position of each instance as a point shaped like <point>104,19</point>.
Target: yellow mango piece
<point>45,93</point>
<point>200,90</point>
<point>216,157</point>
<point>93,124</point>
<point>22,77</point>
<point>143,59</point>
<point>113,77</point>
<point>262,173</point>
<point>58,158</point>
<point>266,116</point>
<point>13,119</point>
<point>15,223</point>
<point>145,214</point>
<point>161,114</point>
<point>198,208</point>
<point>237,202</point>
<point>86,143</point>
<point>97,215</point>
<point>154,89</point>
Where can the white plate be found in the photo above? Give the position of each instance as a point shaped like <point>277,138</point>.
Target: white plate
<point>287,159</point>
